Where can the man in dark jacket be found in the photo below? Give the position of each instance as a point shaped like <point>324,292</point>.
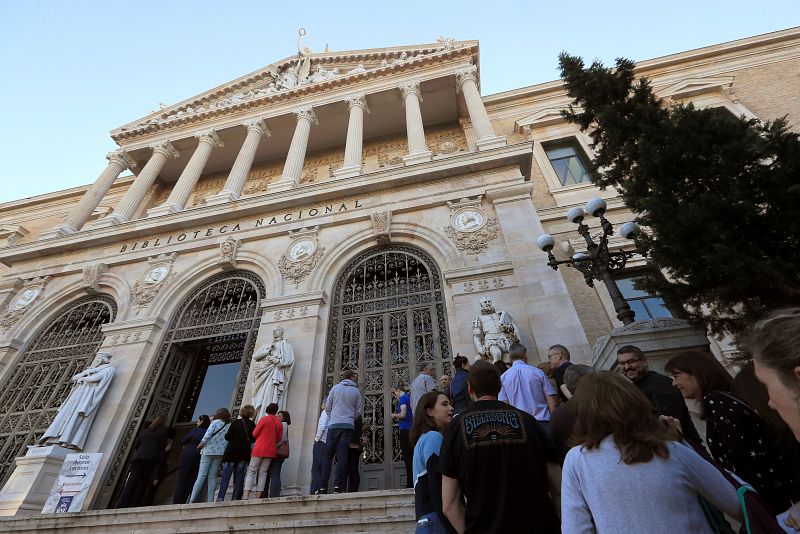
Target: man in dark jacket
<point>666,400</point>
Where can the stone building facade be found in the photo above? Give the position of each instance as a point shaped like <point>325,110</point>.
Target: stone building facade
<point>363,201</point>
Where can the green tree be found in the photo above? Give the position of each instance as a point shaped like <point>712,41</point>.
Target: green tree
<point>719,193</point>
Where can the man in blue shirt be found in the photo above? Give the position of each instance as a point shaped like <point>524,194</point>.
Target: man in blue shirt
<point>404,418</point>
<point>527,388</point>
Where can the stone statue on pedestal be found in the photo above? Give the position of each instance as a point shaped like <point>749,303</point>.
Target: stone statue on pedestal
<point>271,370</point>
<point>74,419</point>
<point>493,332</point>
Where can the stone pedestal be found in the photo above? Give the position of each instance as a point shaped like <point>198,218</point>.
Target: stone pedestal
<point>29,485</point>
<point>659,339</point>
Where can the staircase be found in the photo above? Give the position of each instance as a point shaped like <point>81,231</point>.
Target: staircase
<point>386,511</point>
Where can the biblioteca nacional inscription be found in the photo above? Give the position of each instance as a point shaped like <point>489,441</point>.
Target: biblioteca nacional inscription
<point>248,225</point>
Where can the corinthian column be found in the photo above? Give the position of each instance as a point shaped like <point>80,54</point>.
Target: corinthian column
<point>355,136</point>
<point>183,188</point>
<point>297,151</point>
<point>140,186</point>
<point>467,83</point>
<point>417,148</point>
<point>232,190</point>
<point>118,161</point>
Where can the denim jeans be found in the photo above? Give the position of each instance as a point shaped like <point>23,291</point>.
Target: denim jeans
<point>337,444</point>
<point>318,457</point>
<point>209,465</point>
<point>274,474</point>
<point>430,524</point>
<point>239,471</point>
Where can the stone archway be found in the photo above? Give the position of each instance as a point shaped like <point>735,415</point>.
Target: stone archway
<point>387,317</point>
<point>216,325</point>
<point>41,379</point>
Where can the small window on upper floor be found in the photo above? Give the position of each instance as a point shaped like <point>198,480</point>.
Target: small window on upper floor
<point>569,163</point>
<point>645,305</point>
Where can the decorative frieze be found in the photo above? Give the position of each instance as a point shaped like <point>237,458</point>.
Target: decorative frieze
<point>293,307</point>
<point>159,274</point>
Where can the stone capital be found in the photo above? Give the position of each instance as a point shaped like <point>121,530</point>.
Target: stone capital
<point>165,148</point>
<point>210,137</point>
<point>465,75</point>
<point>121,158</point>
<point>306,113</point>
<point>411,88</point>
<point>258,126</point>
<point>357,100</point>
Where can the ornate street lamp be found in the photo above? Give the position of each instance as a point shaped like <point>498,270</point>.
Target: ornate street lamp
<point>599,263</point>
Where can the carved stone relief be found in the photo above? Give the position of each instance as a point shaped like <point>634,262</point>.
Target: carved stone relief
<point>301,256</point>
<point>227,253</point>
<point>91,277</point>
<point>12,233</point>
<point>154,279</point>
<point>381,226</point>
<point>470,227</point>
<point>30,292</point>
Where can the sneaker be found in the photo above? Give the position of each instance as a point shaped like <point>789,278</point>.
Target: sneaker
<point>337,489</point>
<point>321,492</point>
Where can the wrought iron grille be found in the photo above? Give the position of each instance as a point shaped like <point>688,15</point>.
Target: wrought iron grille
<point>41,380</point>
<point>225,306</point>
<point>387,317</point>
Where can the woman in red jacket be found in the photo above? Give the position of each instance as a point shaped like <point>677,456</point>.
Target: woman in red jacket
<point>267,433</point>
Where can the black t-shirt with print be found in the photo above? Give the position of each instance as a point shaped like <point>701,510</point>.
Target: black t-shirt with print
<point>498,455</point>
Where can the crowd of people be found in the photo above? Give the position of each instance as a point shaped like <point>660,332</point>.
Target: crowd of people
<point>519,448</point>
<point>576,450</point>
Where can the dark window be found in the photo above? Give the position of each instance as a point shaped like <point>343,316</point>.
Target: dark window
<point>569,164</point>
<point>645,305</point>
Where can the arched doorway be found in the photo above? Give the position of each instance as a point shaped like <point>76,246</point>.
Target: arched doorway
<point>387,317</point>
<point>201,366</point>
<point>41,378</point>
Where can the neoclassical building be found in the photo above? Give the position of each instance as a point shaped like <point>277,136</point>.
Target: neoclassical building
<point>363,201</point>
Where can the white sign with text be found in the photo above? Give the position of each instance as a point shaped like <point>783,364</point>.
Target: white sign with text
<point>73,483</point>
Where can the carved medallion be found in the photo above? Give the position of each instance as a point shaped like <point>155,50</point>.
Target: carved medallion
<point>470,227</point>
<point>302,255</point>
<point>149,285</point>
<point>30,292</point>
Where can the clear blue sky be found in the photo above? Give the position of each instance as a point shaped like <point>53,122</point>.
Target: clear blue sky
<point>74,70</point>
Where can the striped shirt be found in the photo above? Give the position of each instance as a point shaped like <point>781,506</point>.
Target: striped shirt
<point>419,387</point>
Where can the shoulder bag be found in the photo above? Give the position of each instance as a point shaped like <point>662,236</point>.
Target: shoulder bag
<point>282,450</point>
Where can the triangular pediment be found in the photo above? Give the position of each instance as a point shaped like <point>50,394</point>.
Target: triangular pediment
<point>695,86</point>
<point>542,117</point>
<point>303,73</point>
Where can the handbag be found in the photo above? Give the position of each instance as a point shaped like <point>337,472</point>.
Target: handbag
<point>758,517</point>
<point>282,450</point>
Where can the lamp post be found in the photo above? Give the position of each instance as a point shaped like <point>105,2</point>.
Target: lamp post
<point>599,263</point>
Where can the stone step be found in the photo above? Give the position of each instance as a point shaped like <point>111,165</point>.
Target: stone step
<point>386,511</point>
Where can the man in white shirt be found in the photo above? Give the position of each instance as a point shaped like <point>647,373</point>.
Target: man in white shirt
<point>527,388</point>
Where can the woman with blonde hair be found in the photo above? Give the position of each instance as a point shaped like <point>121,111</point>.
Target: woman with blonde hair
<point>627,475</point>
